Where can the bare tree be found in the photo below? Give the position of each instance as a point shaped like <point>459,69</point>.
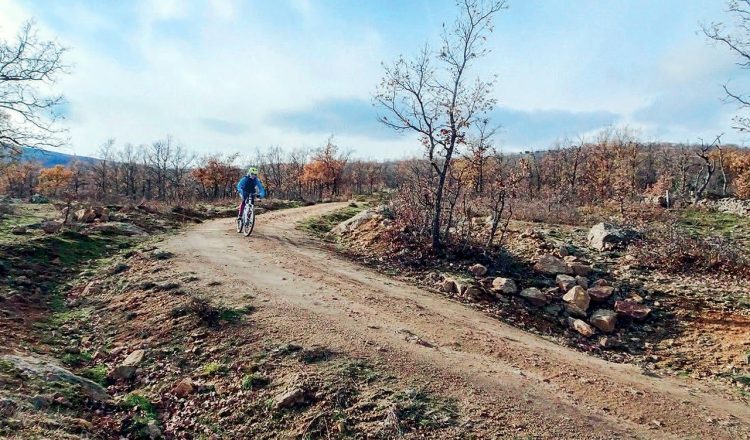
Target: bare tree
<point>708,166</point>
<point>27,117</point>
<point>433,96</point>
<point>102,168</point>
<point>737,40</point>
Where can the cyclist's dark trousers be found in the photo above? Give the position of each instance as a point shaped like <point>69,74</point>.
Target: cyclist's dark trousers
<point>242,205</point>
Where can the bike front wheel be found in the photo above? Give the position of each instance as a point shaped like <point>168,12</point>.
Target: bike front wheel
<point>247,228</point>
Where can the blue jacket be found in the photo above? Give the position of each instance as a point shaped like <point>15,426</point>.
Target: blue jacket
<point>247,185</point>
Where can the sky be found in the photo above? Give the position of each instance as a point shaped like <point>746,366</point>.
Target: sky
<point>233,76</point>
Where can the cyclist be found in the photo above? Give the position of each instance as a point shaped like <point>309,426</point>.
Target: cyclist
<point>246,188</point>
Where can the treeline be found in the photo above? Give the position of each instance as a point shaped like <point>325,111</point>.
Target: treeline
<point>615,170</point>
<point>167,171</point>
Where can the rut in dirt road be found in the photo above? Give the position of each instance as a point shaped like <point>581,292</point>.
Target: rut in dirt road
<point>304,289</point>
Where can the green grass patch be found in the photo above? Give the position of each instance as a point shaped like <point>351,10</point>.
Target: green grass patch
<point>744,380</point>
<point>254,381</point>
<point>417,408</point>
<point>97,373</point>
<point>704,223</point>
<point>323,224</point>
<point>66,316</point>
<point>76,359</point>
<point>213,369</point>
<point>358,370</point>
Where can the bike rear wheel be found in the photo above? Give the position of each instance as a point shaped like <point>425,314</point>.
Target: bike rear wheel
<point>239,224</point>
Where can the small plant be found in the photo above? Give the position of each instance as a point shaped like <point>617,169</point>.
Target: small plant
<point>420,409</point>
<point>97,373</point>
<point>213,368</point>
<point>76,359</point>
<point>358,370</point>
<point>254,381</point>
<point>209,314</point>
<point>140,403</point>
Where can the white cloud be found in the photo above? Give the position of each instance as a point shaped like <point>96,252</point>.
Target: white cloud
<point>11,19</point>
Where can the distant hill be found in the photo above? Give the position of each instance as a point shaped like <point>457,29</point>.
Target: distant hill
<point>52,158</point>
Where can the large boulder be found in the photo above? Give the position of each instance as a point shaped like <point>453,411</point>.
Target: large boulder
<point>577,301</point>
<point>40,368</point>
<point>606,237</point>
<point>352,224</point>
<point>604,320</point>
<point>632,309</point>
<point>504,285</point>
<point>534,296</point>
<point>551,265</point>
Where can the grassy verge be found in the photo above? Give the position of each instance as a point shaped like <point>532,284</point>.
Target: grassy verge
<point>703,223</point>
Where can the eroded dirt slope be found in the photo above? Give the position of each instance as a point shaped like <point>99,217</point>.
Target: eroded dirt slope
<point>505,380</point>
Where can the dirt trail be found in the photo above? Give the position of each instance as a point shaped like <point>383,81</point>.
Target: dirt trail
<point>501,376</point>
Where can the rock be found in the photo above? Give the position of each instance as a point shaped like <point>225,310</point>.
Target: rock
<point>600,293</point>
<point>352,224</point>
<point>183,388</point>
<point>134,358</point>
<point>154,432</point>
<point>85,215</point>
<point>38,198</point>
<point>563,250</point>
<point>449,286</point>
<point>8,407</point>
<point>600,283</point>
<point>41,401</point>
<point>18,230</point>
<point>478,270</point>
<point>609,342</point>
<point>551,265</point>
<point>474,292</point>
<point>51,227</point>
<point>293,397</point>
<point>82,424</point>
<point>565,282</point>
<point>604,320</point>
<point>534,296</point>
<point>577,300</point>
<point>606,237</point>
<point>581,327</point>
<point>46,370</point>
<point>632,309</point>
<point>92,288</point>
<point>580,269</point>
<point>126,372</point>
<point>504,285</point>
<point>582,281</point>
<point>119,228</point>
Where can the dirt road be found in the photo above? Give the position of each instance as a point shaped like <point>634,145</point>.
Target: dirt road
<point>501,376</point>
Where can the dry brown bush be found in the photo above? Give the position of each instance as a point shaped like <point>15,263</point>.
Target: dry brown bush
<point>672,249</point>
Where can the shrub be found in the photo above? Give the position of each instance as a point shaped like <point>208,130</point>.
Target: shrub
<point>671,248</point>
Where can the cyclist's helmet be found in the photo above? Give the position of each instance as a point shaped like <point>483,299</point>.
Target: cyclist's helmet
<point>252,171</point>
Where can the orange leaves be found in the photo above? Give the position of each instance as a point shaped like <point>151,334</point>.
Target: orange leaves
<point>55,180</point>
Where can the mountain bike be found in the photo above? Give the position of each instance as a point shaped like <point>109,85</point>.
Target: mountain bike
<point>246,222</point>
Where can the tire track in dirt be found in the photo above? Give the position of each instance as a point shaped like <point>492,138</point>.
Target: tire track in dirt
<point>497,373</point>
